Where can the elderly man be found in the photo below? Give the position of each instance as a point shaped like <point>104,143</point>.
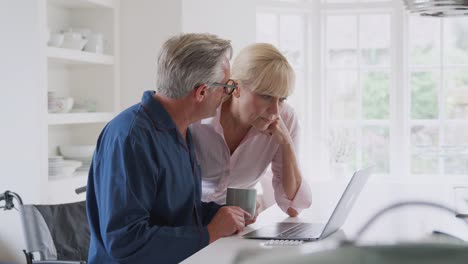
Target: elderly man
<point>144,187</point>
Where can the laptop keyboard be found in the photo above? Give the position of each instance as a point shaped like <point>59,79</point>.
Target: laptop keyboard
<point>303,231</point>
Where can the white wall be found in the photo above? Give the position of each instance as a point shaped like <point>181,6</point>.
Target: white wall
<point>21,72</point>
<point>145,25</point>
<point>233,20</point>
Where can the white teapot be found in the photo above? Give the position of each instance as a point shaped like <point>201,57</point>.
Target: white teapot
<point>73,40</point>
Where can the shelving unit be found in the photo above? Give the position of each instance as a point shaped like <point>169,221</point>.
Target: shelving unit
<point>87,77</point>
<point>83,3</point>
<point>65,188</point>
<point>79,118</point>
<point>67,56</point>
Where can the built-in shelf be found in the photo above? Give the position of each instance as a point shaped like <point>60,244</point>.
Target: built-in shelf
<point>79,118</point>
<point>83,3</point>
<point>79,177</point>
<point>69,56</point>
<point>62,190</point>
<point>78,74</point>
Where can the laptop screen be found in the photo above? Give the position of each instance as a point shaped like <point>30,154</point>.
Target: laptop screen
<point>346,202</point>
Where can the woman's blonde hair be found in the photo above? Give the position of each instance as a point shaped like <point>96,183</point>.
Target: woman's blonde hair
<point>264,70</point>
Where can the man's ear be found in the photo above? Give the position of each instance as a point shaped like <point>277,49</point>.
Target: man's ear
<point>200,92</point>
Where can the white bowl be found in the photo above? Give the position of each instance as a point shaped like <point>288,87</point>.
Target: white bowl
<point>65,170</point>
<point>55,40</point>
<point>62,105</point>
<point>69,167</point>
<point>77,151</point>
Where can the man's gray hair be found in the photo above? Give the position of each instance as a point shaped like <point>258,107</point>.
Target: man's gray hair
<point>188,60</point>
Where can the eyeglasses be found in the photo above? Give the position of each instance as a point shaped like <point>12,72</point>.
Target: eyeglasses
<point>229,87</point>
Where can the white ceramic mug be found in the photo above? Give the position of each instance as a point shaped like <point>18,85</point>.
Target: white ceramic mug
<point>56,40</point>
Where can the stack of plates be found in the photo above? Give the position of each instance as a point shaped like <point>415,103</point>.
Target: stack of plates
<point>60,168</point>
<point>82,153</point>
<point>52,102</point>
<point>55,166</point>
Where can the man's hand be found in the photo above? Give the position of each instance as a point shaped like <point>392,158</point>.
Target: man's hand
<point>257,209</point>
<point>227,221</point>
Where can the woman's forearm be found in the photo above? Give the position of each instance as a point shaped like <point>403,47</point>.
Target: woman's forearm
<point>291,178</point>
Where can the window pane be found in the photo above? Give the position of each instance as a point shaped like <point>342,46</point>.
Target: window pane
<point>374,39</point>
<point>424,40</point>
<point>298,97</point>
<point>424,148</point>
<point>342,90</point>
<point>456,40</point>
<point>341,41</point>
<point>424,87</point>
<point>292,39</point>
<point>375,143</point>
<point>376,94</point>
<point>455,151</point>
<point>267,28</point>
<point>342,146</point>
<point>456,94</point>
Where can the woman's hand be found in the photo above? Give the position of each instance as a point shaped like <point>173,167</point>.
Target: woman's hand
<point>279,132</point>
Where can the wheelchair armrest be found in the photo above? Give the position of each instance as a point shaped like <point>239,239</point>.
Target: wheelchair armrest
<point>58,262</point>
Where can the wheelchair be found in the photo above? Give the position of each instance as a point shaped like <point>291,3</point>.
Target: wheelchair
<point>54,234</point>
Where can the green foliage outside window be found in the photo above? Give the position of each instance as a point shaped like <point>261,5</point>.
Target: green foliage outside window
<point>376,96</point>
<point>423,96</point>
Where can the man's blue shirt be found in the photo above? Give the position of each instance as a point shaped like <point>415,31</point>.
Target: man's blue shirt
<point>144,190</point>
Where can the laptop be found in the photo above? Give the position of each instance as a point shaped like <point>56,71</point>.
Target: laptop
<point>310,231</point>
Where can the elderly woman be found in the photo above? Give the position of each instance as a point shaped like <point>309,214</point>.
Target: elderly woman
<point>253,128</point>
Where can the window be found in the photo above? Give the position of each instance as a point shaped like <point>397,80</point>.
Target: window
<point>392,88</point>
<point>357,87</point>
<point>287,35</point>
<point>438,88</point>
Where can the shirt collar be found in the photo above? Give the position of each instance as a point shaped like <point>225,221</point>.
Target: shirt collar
<point>215,122</point>
<point>156,111</point>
